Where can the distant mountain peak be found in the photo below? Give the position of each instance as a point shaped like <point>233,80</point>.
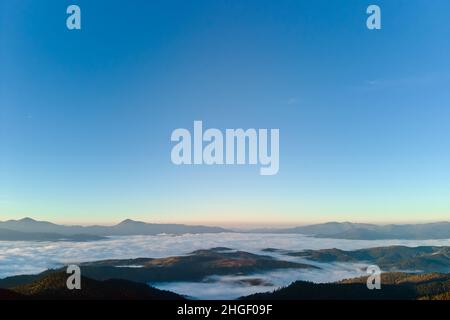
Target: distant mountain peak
<point>130,222</point>
<point>27,219</point>
<point>126,227</point>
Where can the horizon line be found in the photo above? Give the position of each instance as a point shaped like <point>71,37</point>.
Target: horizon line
<point>223,224</point>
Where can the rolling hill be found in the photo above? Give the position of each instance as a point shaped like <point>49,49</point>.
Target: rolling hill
<point>28,229</point>
<point>195,266</point>
<point>334,230</point>
<point>395,286</point>
<point>53,286</point>
<point>393,258</point>
<point>362,231</point>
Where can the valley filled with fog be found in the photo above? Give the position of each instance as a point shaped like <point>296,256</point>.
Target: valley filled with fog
<point>23,257</point>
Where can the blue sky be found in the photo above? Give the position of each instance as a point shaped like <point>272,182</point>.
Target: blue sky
<point>86,116</point>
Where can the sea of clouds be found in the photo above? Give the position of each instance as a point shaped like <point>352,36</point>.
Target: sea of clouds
<point>232,287</point>
<point>33,257</point>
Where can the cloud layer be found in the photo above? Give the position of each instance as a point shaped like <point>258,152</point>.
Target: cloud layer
<point>33,257</point>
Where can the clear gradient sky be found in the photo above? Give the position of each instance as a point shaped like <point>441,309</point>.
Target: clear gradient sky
<point>86,116</point>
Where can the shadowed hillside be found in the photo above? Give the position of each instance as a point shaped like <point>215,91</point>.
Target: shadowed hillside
<point>395,286</point>
<point>53,286</point>
<point>196,266</point>
<point>6,294</point>
<point>393,258</point>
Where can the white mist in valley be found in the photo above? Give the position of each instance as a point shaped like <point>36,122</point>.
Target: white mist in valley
<point>22,257</point>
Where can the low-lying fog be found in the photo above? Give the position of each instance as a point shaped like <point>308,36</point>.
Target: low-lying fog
<point>34,257</point>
